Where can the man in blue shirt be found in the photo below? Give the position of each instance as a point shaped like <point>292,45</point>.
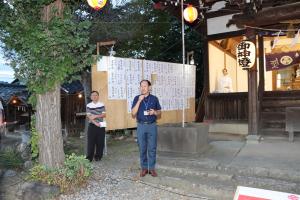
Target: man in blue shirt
<point>146,109</point>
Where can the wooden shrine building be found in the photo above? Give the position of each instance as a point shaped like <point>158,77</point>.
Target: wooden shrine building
<point>259,97</point>
<point>14,98</point>
<point>17,111</point>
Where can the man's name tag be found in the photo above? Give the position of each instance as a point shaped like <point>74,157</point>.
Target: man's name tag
<point>102,124</point>
<point>146,112</point>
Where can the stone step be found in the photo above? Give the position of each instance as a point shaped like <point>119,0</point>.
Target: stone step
<point>214,174</point>
<point>211,168</point>
<point>203,188</point>
<point>215,184</point>
<point>221,182</point>
<point>250,178</point>
<point>182,162</point>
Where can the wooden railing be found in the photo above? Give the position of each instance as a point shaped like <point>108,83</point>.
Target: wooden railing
<point>227,106</point>
<point>200,114</point>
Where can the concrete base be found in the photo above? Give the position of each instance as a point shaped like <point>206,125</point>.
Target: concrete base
<point>253,139</point>
<point>232,128</point>
<point>193,138</point>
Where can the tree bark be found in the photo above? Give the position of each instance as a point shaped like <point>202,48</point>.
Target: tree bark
<point>87,87</point>
<point>48,126</point>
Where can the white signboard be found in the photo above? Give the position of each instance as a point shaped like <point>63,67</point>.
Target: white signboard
<point>102,63</point>
<point>170,83</point>
<point>247,193</point>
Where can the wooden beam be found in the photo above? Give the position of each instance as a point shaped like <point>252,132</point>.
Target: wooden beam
<point>267,16</point>
<point>215,44</point>
<point>105,43</point>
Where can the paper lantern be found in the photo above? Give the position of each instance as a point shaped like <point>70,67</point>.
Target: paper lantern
<point>190,14</point>
<point>246,54</point>
<point>97,4</point>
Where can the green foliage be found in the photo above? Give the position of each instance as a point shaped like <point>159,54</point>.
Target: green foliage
<point>44,54</point>
<point>147,33</point>
<point>10,159</point>
<point>34,140</point>
<point>154,35</point>
<point>75,165</point>
<point>74,173</point>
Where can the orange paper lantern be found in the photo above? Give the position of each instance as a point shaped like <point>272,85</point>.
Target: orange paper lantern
<point>190,14</point>
<point>97,4</point>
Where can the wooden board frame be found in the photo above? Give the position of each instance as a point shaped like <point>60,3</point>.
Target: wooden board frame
<point>117,115</point>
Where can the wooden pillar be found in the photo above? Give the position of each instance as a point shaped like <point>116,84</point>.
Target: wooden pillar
<point>261,85</point>
<point>201,112</point>
<point>252,93</point>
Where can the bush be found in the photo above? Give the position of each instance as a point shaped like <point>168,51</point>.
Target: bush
<point>10,159</point>
<point>74,173</point>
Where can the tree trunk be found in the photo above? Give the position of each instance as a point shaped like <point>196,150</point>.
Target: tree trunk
<point>87,86</point>
<point>48,125</point>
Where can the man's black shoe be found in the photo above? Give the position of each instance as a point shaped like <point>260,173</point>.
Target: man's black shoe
<point>97,159</point>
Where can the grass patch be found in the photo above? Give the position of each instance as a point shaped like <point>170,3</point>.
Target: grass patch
<point>10,159</point>
<point>74,145</point>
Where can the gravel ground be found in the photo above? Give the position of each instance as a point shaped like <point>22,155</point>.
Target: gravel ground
<point>117,177</point>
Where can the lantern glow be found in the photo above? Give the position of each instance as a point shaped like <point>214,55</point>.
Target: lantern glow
<point>190,14</point>
<point>97,4</point>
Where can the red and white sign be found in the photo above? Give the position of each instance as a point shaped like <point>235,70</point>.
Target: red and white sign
<point>247,193</point>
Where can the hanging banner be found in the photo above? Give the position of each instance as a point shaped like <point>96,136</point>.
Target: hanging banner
<point>246,54</point>
<point>282,60</point>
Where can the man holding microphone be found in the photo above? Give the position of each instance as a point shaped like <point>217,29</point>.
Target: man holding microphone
<point>146,109</point>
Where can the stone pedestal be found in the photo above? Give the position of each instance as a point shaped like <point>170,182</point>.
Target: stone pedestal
<point>193,138</point>
<point>253,139</point>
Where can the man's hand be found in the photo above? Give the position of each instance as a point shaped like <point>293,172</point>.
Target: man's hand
<point>152,112</point>
<point>141,97</point>
<point>96,123</point>
<point>92,117</point>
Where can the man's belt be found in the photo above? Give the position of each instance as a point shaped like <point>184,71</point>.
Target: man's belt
<point>140,122</point>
